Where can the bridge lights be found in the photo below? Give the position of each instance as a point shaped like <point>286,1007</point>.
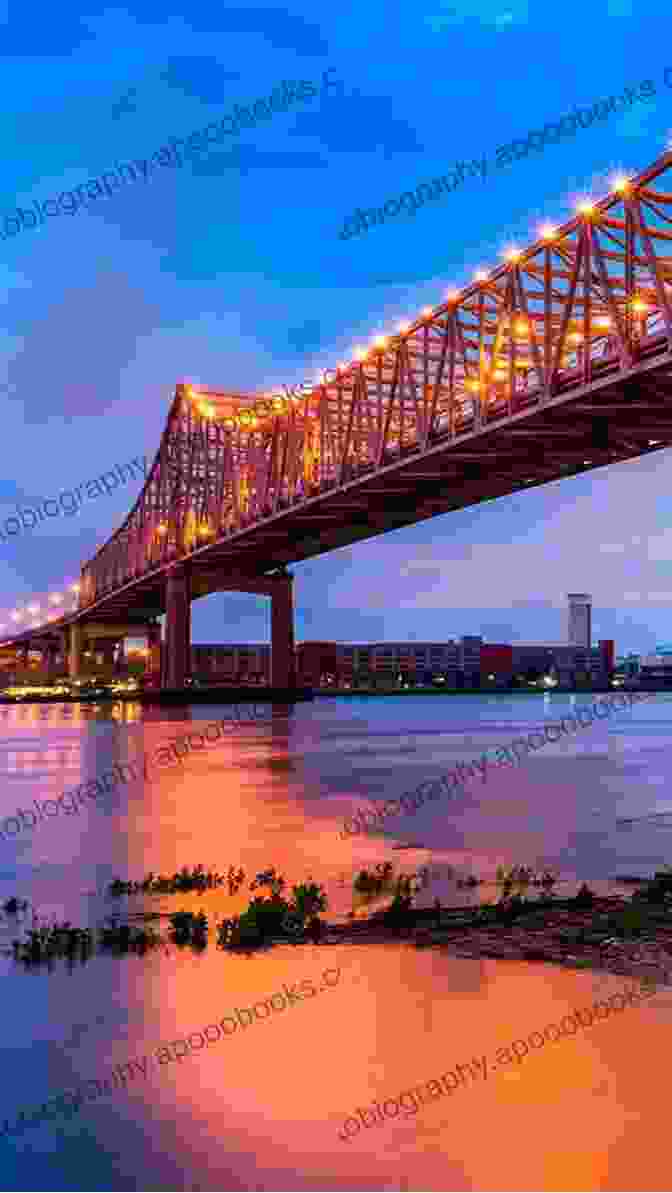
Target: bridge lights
<point>585,207</point>
<point>512,255</point>
<point>520,327</point>
<point>547,232</point>
<point>74,587</point>
<point>620,183</point>
<point>162,528</point>
<point>361,353</point>
<point>472,386</point>
<point>480,275</point>
<point>603,321</point>
<point>452,295</point>
<point>404,327</point>
<point>427,311</point>
<point>639,306</point>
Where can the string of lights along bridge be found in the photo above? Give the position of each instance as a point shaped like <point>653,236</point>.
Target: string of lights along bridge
<point>557,360</point>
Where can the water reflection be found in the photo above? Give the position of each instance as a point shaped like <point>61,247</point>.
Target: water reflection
<point>263,1109</point>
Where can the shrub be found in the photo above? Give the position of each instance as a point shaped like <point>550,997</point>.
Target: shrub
<point>308,899</point>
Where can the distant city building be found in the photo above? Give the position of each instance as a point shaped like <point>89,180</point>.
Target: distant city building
<point>390,664</point>
<point>231,663</point>
<point>566,665</point>
<point>656,670</point>
<point>579,629</point>
<point>628,665</point>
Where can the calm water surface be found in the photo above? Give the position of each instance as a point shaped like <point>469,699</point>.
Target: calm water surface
<point>262,1108</point>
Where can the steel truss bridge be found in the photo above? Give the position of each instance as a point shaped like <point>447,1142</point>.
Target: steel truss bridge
<point>556,362</point>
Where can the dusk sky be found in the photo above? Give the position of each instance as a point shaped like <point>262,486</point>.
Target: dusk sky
<point>229,272</point>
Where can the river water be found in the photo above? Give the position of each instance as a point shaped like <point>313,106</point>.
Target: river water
<point>263,1107</point>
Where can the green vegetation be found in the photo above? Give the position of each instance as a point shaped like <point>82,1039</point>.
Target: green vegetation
<point>187,928</point>
<point>47,942</point>
<point>180,882</point>
<point>273,915</point>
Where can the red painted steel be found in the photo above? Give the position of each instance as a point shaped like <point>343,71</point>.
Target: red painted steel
<point>558,360</point>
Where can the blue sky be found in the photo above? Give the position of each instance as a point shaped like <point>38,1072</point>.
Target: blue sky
<point>230,272</point>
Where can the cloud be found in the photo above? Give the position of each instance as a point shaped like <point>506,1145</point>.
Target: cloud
<point>531,571</point>
<point>306,337</point>
<point>57,34</point>
<point>247,157</point>
<point>358,123</point>
<point>282,29</point>
<point>497,15</point>
<point>201,78</point>
<point>125,106</point>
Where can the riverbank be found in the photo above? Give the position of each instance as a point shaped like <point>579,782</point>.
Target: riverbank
<point>226,695</point>
<point>173,696</point>
<point>610,933</point>
<point>481,691</point>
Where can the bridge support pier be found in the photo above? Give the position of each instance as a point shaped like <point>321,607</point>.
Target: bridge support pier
<point>75,651</point>
<point>282,633</point>
<point>177,667</point>
<point>155,652</point>
<point>50,656</point>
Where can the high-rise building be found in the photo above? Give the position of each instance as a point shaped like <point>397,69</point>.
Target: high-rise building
<point>578,633</point>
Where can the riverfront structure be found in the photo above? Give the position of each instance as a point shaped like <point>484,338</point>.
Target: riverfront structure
<point>555,362</point>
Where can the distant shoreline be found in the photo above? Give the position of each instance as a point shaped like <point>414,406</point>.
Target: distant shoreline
<point>480,691</point>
